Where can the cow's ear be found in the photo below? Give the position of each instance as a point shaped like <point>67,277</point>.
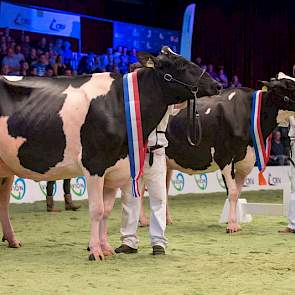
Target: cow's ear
<point>166,50</point>
<point>147,60</point>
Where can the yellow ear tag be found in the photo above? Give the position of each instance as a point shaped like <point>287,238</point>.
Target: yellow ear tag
<point>264,88</point>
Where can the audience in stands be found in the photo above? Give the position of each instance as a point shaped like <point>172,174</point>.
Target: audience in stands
<point>235,83</point>
<point>11,60</point>
<point>222,78</point>
<point>211,71</point>
<point>198,61</point>
<point>58,66</point>
<point>278,153</point>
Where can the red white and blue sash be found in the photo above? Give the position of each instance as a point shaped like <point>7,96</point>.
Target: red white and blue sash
<point>134,129</point>
<point>262,152</point>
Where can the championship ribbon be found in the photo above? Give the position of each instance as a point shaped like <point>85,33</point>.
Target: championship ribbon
<point>262,152</point>
<point>134,129</point>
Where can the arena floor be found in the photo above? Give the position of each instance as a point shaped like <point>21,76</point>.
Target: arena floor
<point>201,258</point>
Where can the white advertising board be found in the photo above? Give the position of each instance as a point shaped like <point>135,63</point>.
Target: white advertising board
<point>28,191</point>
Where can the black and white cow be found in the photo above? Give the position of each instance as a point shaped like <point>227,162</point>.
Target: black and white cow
<point>54,128</point>
<point>226,139</point>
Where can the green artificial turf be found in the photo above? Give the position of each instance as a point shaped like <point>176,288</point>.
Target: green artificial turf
<point>201,257</point>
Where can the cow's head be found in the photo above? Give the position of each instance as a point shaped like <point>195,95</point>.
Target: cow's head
<point>282,91</point>
<point>181,76</point>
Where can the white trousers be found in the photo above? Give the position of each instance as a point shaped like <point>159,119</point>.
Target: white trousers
<point>154,178</point>
<point>291,210</point>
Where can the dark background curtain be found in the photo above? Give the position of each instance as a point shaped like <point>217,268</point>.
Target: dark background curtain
<point>254,39</point>
<point>97,36</point>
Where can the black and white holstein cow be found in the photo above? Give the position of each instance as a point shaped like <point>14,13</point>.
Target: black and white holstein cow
<point>56,128</point>
<point>226,141</point>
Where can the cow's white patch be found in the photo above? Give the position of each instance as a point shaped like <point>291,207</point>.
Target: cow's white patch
<point>99,84</point>
<point>208,111</point>
<point>231,96</point>
<point>13,78</point>
<point>117,175</point>
<point>245,166</point>
<point>284,76</point>
<point>9,146</point>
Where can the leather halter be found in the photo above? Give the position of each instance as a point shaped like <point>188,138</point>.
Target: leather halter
<point>194,89</point>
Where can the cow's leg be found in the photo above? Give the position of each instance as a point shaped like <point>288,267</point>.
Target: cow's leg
<point>109,195</point>
<point>8,233</point>
<point>143,220</point>
<point>233,198</point>
<point>96,209</point>
<point>168,181</point>
<point>244,168</point>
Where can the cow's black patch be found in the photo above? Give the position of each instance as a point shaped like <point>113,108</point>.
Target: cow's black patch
<point>33,107</point>
<point>103,134</point>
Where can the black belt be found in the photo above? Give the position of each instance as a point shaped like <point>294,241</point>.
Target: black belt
<point>150,151</point>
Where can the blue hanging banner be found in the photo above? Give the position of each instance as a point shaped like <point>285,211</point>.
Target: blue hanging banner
<point>187,32</point>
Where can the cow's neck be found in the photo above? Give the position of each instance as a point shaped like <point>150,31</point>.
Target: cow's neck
<point>153,100</point>
<point>269,113</point>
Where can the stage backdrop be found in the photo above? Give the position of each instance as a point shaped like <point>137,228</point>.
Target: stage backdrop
<point>28,191</point>
<point>144,38</point>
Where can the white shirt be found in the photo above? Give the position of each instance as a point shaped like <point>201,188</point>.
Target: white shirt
<point>157,137</point>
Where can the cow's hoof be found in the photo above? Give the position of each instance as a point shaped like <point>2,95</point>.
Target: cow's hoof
<point>233,229</point>
<point>169,220</point>
<point>107,249</point>
<point>88,249</point>
<point>16,244</point>
<point>108,252</point>
<point>92,257</point>
<point>143,221</point>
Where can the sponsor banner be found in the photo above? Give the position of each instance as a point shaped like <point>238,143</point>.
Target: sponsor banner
<point>182,183</point>
<point>29,191</point>
<point>40,21</point>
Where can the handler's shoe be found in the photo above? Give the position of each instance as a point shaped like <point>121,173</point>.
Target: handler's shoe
<point>287,230</point>
<point>69,205</point>
<point>125,249</point>
<point>158,250</point>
